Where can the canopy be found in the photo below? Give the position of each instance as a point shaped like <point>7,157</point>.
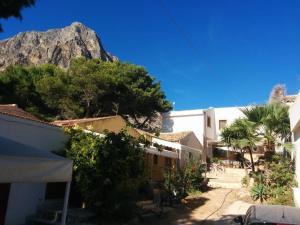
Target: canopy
<point>23,163</point>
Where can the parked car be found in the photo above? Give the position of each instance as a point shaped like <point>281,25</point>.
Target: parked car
<point>270,215</point>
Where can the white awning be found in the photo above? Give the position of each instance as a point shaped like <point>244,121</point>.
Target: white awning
<point>166,153</point>
<point>224,148</point>
<point>23,163</point>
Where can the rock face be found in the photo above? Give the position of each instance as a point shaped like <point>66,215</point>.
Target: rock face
<point>56,46</point>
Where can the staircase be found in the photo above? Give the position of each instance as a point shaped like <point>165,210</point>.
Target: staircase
<point>230,178</point>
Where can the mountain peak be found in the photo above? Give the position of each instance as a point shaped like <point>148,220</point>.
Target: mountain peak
<point>56,46</point>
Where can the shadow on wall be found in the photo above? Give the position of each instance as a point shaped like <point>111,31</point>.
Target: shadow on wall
<point>168,123</point>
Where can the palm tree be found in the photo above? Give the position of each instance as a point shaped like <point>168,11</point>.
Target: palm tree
<point>247,136</point>
<point>271,121</point>
<point>242,135</point>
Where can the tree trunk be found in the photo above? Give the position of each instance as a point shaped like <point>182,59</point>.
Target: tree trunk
<point>251,159</point>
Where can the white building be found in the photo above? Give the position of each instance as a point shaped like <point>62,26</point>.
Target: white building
<point>295,127</point>
<point>205,123</point>
<point>27,164</point>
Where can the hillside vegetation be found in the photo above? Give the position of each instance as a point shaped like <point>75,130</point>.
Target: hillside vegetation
<point>89,88</point>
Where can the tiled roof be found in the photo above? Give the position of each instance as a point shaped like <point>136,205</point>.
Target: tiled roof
<point>70,123</point>
<point>174,137</point>
<point>15,111</point>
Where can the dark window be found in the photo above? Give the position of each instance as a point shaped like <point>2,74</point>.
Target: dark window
<point>55,190</point>
<point>208,121</point>
<point>190,155</point>
<point>222,124</point>
<point>155,159</point>
<point>168,162</point>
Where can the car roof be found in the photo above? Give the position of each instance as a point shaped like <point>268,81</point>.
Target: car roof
<point>275,214</point>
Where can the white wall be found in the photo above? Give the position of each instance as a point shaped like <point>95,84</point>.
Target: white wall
<point>210,131</point>
<point>187,120</point>
<point>23,200</point>
<point>38,135</point>
<point>193,120</point>
<point>294,112</point>
<point>183,150</point>
<point>295,127</point>
<point>230,114</point>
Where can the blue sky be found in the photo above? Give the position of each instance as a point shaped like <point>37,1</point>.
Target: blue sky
<point>204,52</point>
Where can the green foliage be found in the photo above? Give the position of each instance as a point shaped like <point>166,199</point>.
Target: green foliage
<point>281,174</point>
<point>241,134</point>
<point>276,182</point>
<point>263,122</point>
<point>245,180</point>
<point>13,8</point>
<point>108,169</point>
<point>282,196</point>
<point>184,180</point>
<point>89,88</point>
<point>272,122</point>
<point>216,159</point>
<point>259,192</point>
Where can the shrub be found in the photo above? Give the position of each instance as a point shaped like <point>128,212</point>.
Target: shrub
<point>282,197</point>
<point>108,169</point>
<point>276,182</point>
<point>259,192</point>
<point>187,179</point>
<point>245,181</point>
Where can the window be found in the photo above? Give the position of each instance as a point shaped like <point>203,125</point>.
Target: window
<point>155,159</point>
<point>168,162</point>
<point>222,124</point>
<point>190,155</point>
<point>208,122</point>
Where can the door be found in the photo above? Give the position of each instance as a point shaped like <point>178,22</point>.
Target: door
<point>4,193</point>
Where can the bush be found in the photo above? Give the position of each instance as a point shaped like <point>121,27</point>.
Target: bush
<point>108,170</point>
<point>259,192</point>
<point>187,179</point>
<point>245,181</point>
<point>276,182</point>
<point>282,197</point>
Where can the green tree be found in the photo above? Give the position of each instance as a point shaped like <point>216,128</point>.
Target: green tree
<point>272,122</point>
<point>12,8</point>
<point>242,135</point>
<point>89,88</point>
<point>117,88</point>
<point>108,169</point>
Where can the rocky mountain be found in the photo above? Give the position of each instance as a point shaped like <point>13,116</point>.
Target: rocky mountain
<point>56,46</point>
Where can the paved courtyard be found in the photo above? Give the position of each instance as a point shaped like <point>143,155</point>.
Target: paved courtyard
<point>217,206</point>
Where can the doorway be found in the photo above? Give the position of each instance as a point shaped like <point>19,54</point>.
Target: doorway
<point>4,193</point>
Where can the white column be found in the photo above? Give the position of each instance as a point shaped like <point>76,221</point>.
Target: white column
<point>65,209</point>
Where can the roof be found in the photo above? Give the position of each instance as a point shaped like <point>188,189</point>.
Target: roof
<point>70,123</point>
<point>175,137</point>
<point>14,110</point>
<point>274,214</point>
<point>85,121</point>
